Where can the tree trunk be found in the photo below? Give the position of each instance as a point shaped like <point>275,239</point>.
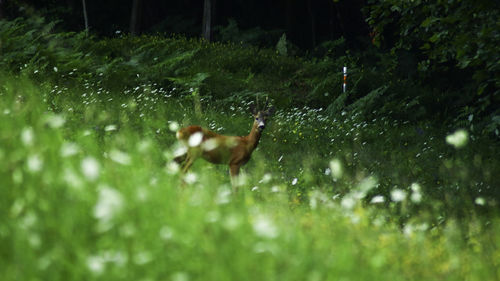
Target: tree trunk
<point>208,19</point>
<point>135,18</point>
<point>85,17</point>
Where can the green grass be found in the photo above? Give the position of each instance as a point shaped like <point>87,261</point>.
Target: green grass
<point>88,193</point>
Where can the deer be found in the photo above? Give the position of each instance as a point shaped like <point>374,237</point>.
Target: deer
<point>234,151</point>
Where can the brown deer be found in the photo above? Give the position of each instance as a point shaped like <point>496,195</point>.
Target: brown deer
<point>234,151</point>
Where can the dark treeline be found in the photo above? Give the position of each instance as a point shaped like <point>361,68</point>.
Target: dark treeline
<point>306,23</point>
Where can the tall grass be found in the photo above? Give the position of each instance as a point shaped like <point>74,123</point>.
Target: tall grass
<point>88,192</point>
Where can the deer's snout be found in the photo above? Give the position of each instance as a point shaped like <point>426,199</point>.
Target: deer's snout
<point>261,125</point>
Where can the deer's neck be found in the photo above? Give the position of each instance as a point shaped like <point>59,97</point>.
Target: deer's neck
<point>254,136</point>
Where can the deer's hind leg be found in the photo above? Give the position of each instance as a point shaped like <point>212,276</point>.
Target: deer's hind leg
<point>234,171</point>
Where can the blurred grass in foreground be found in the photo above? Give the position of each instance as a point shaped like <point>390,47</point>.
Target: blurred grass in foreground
<point>87,193</point>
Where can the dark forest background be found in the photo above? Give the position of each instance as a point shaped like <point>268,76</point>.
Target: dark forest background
<point>306,23</point>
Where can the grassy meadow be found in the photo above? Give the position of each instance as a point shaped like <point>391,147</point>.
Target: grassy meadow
<point>366,185</point>
<point>89,193</point>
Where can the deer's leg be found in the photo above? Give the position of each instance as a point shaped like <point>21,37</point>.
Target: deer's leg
<point>191,156</point>
<point>234,171</point>
<point>187,163</point>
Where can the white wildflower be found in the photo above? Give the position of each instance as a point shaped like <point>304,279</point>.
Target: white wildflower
<point>264,227</point>
<point>377,199</point>
<point>266,178</point>
<point>173,126</point>
<point>109,203</point>
<point>348,202</point>
<point>34,163</point>
<point>180,150</point>
<point>27,136</point>
<point>416,197</point>
<point>367,184</point>
<point>69,149</point>
<point>190,178</point>
<point>415,187</point>
<point>480,201</point>
<point>223,196</point>
<point>275,189</point>
<point>458,139</point>
<point>110,127</point>
<point>117,257</point>
<point>317,197</point>
<point>55,121</point>
<point>408,230</point>
<point>294,181</point>
<point>398,195</point>
<point>173,168</point>
<point>120,157</point>
<point>90,168</point>
<point>336,169</point>
<point>95,264</point>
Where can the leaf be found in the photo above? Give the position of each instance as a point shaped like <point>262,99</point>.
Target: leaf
<point>427,22</point>
<point>434,37</point>
<point>426,46</point>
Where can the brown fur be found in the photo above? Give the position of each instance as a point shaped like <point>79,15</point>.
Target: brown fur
<point>234,151</point>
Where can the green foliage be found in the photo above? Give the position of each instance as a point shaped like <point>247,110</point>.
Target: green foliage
<point>237,72</point>
<point>364,177</point>
<point>89,193</point>
<point>440,57</point>
<point>281,46</point>
<point>455,44</point>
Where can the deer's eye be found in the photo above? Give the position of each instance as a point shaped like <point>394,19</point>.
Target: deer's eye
<point>256,118</point>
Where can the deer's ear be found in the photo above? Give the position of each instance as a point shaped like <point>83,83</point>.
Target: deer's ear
<point>253,109</point>
<point>270,111</point>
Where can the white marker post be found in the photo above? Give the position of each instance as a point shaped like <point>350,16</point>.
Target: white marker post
<point>344,86</point>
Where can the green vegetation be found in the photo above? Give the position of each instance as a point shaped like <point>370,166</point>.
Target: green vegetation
<point>340,187</point>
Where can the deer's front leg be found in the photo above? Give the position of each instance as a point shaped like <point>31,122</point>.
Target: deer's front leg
<point>188,162</point>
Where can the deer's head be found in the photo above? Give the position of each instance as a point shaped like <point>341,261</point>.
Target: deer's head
<point>261,115</point>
